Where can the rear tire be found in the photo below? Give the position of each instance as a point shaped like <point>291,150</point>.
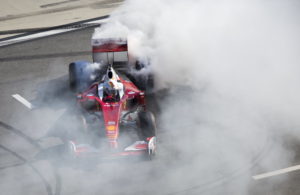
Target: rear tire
<point>147,126</point>
<point>80,76</point>
<point>144,82</point>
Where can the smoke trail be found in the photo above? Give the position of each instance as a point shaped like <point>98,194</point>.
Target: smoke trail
<point>232,70</point>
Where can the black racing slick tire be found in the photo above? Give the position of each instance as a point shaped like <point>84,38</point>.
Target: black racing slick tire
<point>145,82</point>
<point>147,125</point>
<point>80,76</point>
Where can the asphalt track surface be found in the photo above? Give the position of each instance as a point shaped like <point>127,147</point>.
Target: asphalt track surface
<point>32,158</point>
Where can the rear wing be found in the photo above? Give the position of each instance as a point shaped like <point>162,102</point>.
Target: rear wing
<point>110,51</point>
<point>109,45</point>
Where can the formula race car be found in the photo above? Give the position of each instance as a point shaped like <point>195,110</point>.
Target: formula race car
<point>110,105</point>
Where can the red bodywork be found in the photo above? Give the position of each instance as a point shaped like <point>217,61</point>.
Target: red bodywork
<point>112,111</point>
<point>107,45</point>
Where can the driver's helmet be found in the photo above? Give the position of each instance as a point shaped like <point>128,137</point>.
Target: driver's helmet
<point>110,90</point>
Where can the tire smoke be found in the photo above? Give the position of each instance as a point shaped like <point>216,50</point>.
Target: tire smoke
<point>231,69</point>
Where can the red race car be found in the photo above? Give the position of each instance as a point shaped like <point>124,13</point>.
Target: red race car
<point>115,119</point>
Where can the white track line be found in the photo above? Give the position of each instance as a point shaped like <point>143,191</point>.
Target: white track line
<point>278,172</point>
<point>33,36</point>
<point>23,101</point>
<point>48,33</point>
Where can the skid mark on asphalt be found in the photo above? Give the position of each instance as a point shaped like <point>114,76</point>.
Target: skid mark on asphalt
<point>12,165</point>
<point>27,162</point>
<point>21,134</point>
<point>58,181</point>
<point>202,188</point>
<point>44,181</point>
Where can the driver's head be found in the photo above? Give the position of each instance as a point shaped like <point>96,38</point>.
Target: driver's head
<point>110,89</point>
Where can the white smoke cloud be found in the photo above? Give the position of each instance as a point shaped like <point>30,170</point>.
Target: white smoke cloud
<point>93,68</point>
<point>232,68</point>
